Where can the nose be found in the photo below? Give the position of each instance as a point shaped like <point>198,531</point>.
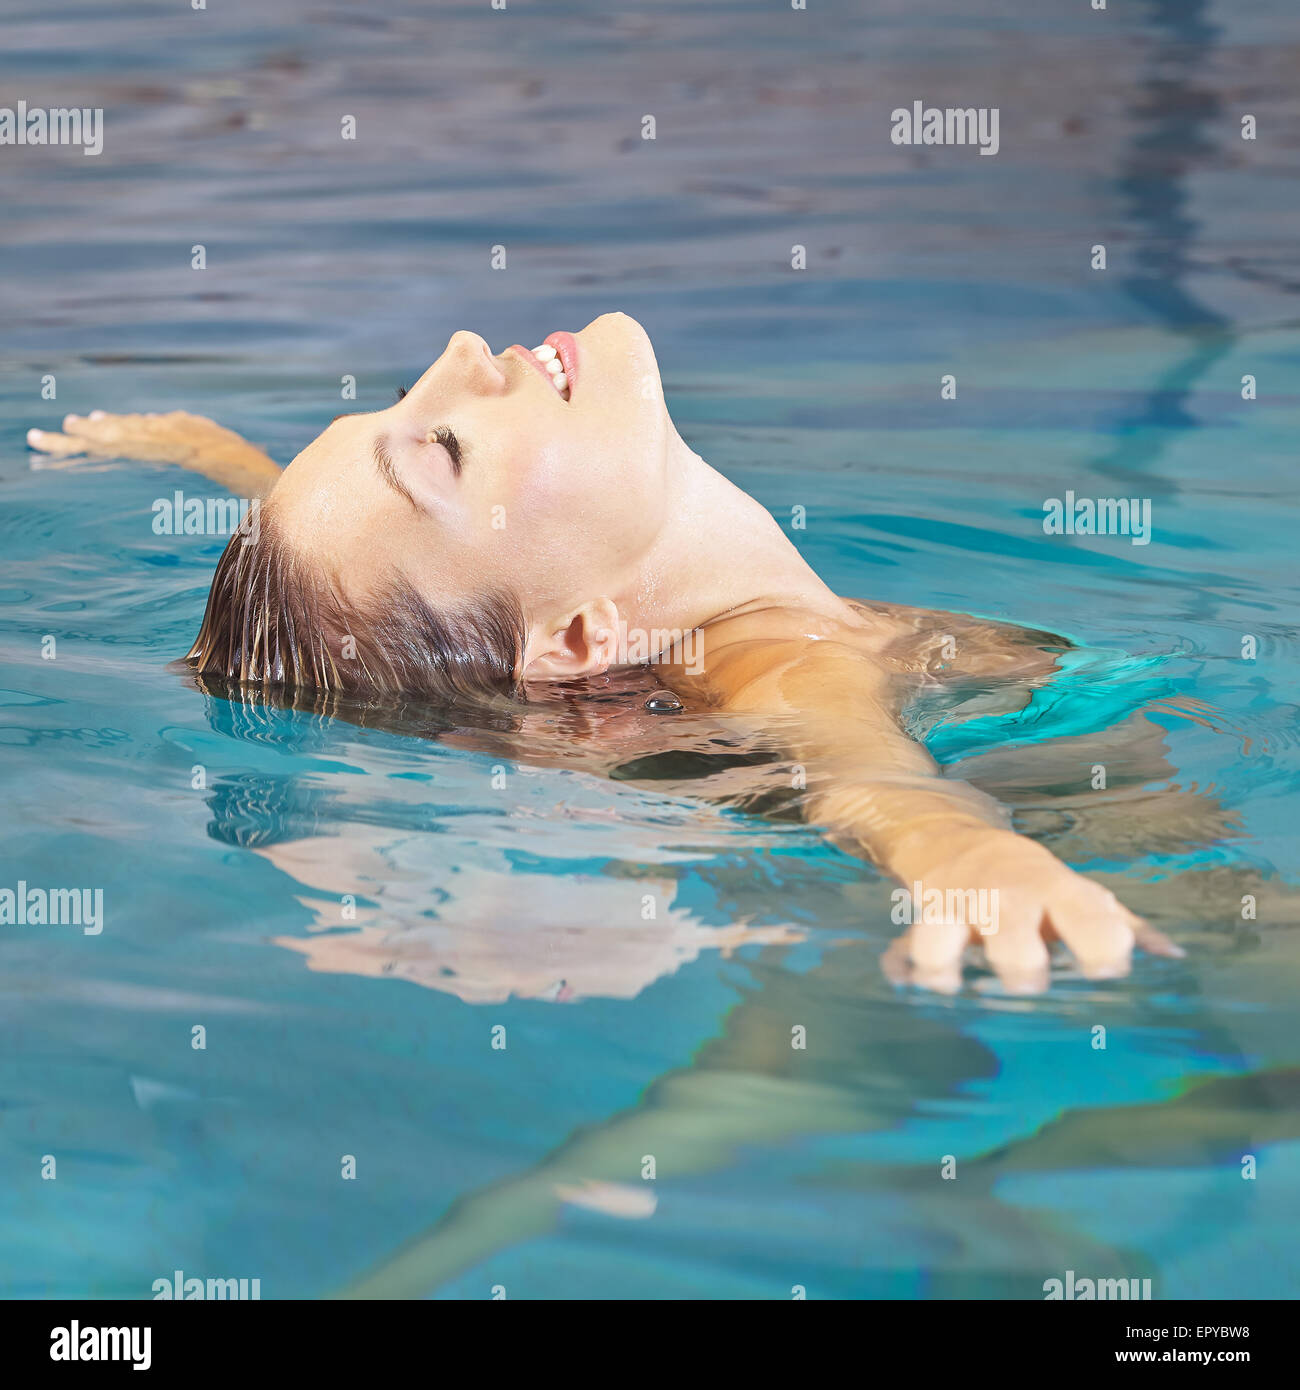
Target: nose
<point>468,363</point>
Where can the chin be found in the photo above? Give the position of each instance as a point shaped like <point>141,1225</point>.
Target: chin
<point>638,369</point>
<point>621,333</point>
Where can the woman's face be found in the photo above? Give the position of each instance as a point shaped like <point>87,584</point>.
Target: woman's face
<point>484,477</point>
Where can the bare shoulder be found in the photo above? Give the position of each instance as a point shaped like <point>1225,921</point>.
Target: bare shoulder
<point>945,646</point>
<point>776,655</point>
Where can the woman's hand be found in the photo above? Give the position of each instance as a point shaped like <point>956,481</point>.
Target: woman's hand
<point>966,876</point>
<point>1014,897</point>
<point>192,441</point>
<point>170,438</point>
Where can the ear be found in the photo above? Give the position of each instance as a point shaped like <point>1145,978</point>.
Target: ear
<point>581,643</point>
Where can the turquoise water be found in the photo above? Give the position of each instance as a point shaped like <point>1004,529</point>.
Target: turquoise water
<point>497,892</point>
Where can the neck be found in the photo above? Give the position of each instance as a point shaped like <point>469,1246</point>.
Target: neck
<point>719,551</point>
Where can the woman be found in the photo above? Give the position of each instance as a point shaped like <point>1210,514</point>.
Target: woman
<point>535,517</point>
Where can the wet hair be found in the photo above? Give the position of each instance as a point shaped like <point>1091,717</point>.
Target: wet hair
<point>274,619</point>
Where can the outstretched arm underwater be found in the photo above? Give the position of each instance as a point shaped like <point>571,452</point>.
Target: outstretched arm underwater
<point>190,441</point>
<point>881,796</point>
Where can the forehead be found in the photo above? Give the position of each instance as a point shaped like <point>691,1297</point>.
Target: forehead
<point>332,506</point>
<point>324,485</point>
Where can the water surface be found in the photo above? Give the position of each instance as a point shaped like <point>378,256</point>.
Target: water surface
<point>495,892</point>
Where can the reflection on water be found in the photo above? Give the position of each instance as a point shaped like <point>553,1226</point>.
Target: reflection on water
<point>350,902</point>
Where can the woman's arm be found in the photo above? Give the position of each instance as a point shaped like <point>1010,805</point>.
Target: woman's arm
<point>191,441</point>
<point>881,796</point>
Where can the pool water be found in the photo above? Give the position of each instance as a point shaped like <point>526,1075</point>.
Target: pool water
<point>357,917</point>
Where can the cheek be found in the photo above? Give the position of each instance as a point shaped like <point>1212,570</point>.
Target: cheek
<point>496,540</point>
<point>543,471</point>
<point>560,507</point>
<point>548,494</point>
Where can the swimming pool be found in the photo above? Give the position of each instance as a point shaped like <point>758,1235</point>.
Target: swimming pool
<point>225,840</point>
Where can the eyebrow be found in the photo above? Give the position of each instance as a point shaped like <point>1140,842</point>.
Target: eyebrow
<point>384,462</point>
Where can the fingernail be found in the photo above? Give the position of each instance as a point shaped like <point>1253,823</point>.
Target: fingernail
<point>96,414</point>
<point>34,435</point>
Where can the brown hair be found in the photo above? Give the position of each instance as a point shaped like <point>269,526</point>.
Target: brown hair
<point>273,619</point>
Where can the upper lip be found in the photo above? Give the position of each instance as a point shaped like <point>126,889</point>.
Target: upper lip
<point>537,366</point>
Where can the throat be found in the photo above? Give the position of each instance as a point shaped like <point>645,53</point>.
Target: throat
<point>721,553</point>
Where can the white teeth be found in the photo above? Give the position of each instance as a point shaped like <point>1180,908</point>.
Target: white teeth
<point>550,359</point>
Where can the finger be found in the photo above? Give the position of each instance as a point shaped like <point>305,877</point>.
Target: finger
<point>1017,952</point>
<point>1153,942</point>
<point>896,964</point>
<point>935,950</point>
<point>1100,934</point>
<point>146,438</point>
<point>83,424</point>
<point>898,968</point>
<point>99,427</point>
<point>52,442</point>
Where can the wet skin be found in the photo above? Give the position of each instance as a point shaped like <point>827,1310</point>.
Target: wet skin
<point>601,520</point>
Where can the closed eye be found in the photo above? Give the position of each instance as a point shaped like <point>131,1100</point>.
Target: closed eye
<point>443,435</point>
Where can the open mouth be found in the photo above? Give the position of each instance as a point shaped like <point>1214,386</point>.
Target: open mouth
<point>557,360</point>
<point>566,352</point>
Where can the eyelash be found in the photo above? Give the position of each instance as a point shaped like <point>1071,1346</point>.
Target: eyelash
<point>448,440</point>
<point>444,436</point>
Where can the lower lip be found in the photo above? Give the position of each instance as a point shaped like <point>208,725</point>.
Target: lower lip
<point>566,346</point>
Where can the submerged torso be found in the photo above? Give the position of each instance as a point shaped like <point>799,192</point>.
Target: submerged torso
<point>910,645</point>
<point>667,723</point>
